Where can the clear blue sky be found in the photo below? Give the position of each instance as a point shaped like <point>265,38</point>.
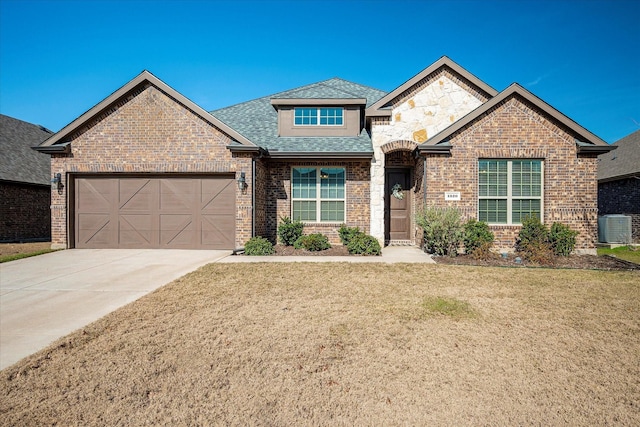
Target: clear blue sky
<point>60,58</point>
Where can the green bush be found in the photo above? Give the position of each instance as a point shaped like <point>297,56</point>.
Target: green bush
<point>289,231</point>
<point>258,246</point>
<point>533,241</point>
<point>562,239</point>
<point>312,242</point>
<point>443,229</point>
<point>364,244</point>
<point>477,236</point>
<point>348,233</point>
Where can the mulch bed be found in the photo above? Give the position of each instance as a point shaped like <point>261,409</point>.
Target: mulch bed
<point>587,262</point>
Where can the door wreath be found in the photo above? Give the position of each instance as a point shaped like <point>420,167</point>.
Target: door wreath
<point>397,192</point>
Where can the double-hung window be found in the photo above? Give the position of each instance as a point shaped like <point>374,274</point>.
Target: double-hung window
<point>509,190</point>
<point>318,194</point>
<point>318,116</point>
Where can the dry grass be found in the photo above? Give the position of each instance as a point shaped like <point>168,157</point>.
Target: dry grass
<point>348,344</point>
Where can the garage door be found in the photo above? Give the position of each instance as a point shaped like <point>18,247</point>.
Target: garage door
<point>155,212</point>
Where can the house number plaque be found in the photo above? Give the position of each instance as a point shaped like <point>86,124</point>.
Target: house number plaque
<point>452,195</point>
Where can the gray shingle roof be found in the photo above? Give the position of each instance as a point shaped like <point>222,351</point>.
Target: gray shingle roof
<point>257,120</point>
<point>623,161</point>
<point>18,162</point>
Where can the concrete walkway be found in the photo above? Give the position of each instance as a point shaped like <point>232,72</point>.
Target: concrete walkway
<point>390,254</point>
<point>46,297</point>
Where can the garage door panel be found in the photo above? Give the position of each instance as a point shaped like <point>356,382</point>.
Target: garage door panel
<point>94,196</point>
<point>213,231</point>
<point>177,230</point>
<point>94,230</point>
<point>136,230</point>
<point>137,194</point>
<point>155,212</point>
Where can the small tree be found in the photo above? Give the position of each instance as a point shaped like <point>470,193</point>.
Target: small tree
<point>289,231</point>
<point>443,230</point>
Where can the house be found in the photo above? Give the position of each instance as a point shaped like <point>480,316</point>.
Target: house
<point>25,189</point>
<point>619,181</point>
<point>148,168</point>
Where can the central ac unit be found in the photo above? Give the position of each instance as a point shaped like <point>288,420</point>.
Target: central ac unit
<point>614,229</point>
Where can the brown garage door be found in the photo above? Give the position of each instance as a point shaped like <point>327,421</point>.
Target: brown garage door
<point>143,212</point>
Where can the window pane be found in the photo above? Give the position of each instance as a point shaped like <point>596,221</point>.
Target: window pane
<point>304,183</point>
<point>493,211</point>
<point>523,208</point>
<point>332,211</point>
<point>526,178</point>
<point>304,210</point>
<point>332,183</point>
<point>492,178</point>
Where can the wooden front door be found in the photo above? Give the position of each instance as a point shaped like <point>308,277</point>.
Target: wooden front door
<point>398,207</point>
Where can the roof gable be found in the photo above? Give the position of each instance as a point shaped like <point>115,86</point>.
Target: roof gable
<point>381,107</point>
<point>18,162</point>
<point>60,141</point>
<point>623,162</point>
<point>585,140</point>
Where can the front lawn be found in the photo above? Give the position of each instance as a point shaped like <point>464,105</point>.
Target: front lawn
<point>348,344</point>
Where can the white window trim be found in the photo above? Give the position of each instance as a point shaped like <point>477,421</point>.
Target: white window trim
<point>509,197</point>
<point>318,198</point>
<point>318,117</point>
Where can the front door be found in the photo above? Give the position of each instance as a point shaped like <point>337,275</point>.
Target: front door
<point>398,204</point>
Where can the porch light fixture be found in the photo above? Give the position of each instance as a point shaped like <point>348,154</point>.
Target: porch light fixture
<point>242,182</point>
<point>56,181</point>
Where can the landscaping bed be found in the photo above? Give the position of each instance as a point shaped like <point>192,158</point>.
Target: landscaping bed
<point>587,262</point>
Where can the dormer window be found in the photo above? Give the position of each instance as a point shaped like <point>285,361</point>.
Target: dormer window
<point>323,116</point>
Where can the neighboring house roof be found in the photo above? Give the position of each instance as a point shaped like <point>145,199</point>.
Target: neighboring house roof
<point>257,120</point>
<point>382,107</point>
<point>585,140</point>
<point>18,162</point>
<point>622,163</point>
<point>60,141</point>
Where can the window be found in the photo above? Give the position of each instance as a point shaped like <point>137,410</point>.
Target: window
<point>318,116</point>
<point>509,190</point>
<point>318,194</point>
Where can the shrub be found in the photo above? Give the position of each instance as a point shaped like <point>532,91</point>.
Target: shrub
<point>289,231</point>
<point>364,244</point>
<point>348,233</point>
<point>258,246</point>
<point>562,239</point>
<point>533,241</point>
<point>477,236</point>
<point>312,242</point>
<point>443,230</point>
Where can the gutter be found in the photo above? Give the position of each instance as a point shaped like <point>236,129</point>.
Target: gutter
<point>64,148</point>
<point>274,154</point>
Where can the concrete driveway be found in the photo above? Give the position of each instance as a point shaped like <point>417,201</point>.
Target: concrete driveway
<point>46,297</point>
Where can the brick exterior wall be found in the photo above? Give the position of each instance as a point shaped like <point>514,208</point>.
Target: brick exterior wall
<point>278,197</point>
<point>621,197</point>
<point>24,212</point>
<point>515,130</point>
<point>149,132</point>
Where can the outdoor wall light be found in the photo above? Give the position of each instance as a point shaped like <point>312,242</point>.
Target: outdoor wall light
<point>242,182</point>
<point>56,182</point>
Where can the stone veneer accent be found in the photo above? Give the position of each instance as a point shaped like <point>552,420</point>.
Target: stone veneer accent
<point>427,108</point>
<point>278,198</point>
<point>148,132</point>
<point>515,130</point>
